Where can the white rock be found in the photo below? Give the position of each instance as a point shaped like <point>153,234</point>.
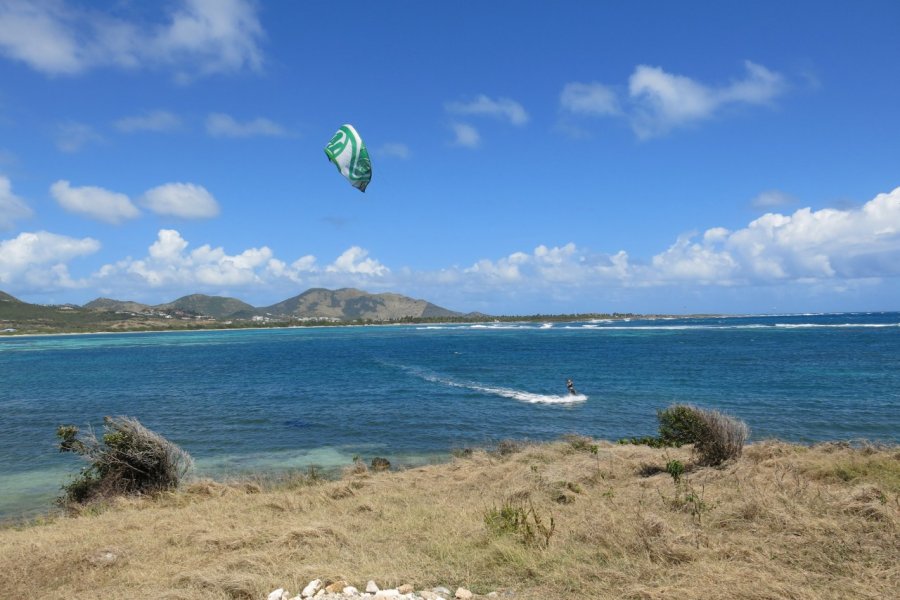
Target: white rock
<point>350,591</point>
<point>462,594</point>
<point>441,590</point>
<point>319,593</point>
<point>427,595</point>
<point>311,588</point>
<point>390,593</point>
<point>276,595</point>
<point>104,558</point>
<point>371,587</point>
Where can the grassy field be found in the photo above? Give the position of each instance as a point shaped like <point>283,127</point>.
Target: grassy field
<point>576,518</point>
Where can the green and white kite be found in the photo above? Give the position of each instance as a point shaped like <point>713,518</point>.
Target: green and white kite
<point>347,151</point>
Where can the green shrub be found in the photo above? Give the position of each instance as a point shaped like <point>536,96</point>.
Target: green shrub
<point>646,440</point>
<point>675,468</point>
<point>130,459</point>
<point>680,424</point>
<point>379,463</point>
<point>517,517</point>
<point>716,437</point>
<point>578,442</point>
<point>507,519</point>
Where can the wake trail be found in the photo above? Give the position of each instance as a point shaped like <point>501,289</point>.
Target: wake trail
<point>514,394</point>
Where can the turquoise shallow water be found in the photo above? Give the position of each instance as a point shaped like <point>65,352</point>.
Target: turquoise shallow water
<point>268,400</point>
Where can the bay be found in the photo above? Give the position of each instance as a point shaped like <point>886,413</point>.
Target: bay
<point>269,400</point>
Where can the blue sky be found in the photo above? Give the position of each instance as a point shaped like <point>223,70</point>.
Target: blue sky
<point>528,156</point>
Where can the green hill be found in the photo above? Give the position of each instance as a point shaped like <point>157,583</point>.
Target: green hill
<point>220,307</point>
<point>116,305</point>
<point>23,317</point>
<point>349,304</point>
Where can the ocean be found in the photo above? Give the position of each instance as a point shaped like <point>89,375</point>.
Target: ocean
<point>270,400</point>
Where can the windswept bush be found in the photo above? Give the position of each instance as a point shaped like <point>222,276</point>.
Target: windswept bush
<point>716,437</point>
<point>680,424</point>
<point>129,459</point>
<point>725,438</point>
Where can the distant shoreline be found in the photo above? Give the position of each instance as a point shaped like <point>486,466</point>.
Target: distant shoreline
<point>504,319</point>
<point>176,330</point>
<point>561,318</point>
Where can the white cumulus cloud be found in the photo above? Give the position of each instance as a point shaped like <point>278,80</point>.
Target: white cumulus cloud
<point>546,267</point>
<point>826,252</point>
<point>772,199</point>
<point>665,101</point>
<point>38,260</point>
<point>72,136</point>
<point>218,35</point>
<point>501,108</point>
<point>222,125</point>
<point>94,202</point>
<point>38,35</point>
<point>355,260</point>
<point>184,200</point>
<point>825,244</point>
<point>695,262</point>
<point>503,270</point>
<point>659,101</point>
<point>12,208</point>
<point>194,37</point>
<point>169,264</point>
<point>589,99</point>
<point>168,247</point>
<point>466,135</point>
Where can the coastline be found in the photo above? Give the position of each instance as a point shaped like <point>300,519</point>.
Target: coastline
<point>202,329</point>
<point>561,318</point>
<point>769,524</point>
<point>513,404</point>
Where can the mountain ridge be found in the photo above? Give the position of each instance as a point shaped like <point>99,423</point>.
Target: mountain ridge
<point>345,304</point>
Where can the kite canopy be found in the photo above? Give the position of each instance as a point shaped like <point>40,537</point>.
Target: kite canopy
<point>347,151</point>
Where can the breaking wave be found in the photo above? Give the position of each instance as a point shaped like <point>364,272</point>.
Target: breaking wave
<point>649,325</point>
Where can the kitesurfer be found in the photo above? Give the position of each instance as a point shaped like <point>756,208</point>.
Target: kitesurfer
<point>571,387</point>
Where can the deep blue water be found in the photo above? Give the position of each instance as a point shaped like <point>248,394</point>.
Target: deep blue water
<point>266,400</point>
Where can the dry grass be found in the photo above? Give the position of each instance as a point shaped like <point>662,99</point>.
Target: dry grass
<point>784,521</point>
